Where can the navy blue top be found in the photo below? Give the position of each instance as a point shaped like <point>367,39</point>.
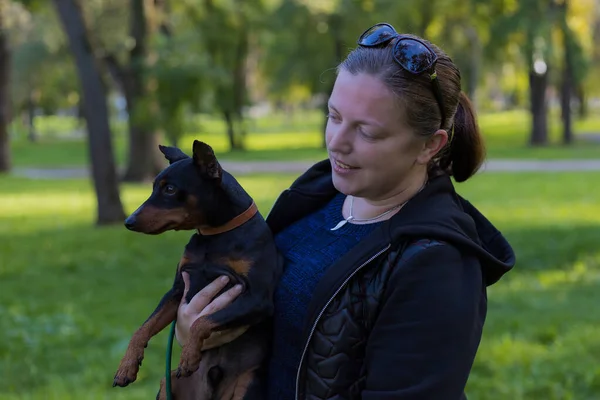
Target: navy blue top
<point>309,247</point>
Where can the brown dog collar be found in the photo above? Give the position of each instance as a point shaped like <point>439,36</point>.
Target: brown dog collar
<point>232,224</point>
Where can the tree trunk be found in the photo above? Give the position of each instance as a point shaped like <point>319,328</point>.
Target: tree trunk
<point>110,209</point>
<point>144,160</point>
<point>239,78</point>
<point>143,163</point>
<point>565,99</point>
<point>31,134</point>
<point>474,63</point>
<point>566,92</point>
<point>580,93</point>
<point>228,94</point>
<point>230,129</point>
<point>539,108</point>
<point>5,159</point>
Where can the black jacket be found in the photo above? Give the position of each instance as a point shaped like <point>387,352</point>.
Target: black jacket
<point>400,316</point>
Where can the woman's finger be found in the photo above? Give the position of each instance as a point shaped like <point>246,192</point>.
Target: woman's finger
<point>207,294</point>
<point>222,301</point>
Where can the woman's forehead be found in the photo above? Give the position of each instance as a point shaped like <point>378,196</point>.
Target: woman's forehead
<point>364,96</point>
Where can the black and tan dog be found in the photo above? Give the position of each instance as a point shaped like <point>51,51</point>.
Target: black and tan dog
<point>225,351</point>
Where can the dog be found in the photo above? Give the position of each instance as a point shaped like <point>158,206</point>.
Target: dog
<point>225,352</point>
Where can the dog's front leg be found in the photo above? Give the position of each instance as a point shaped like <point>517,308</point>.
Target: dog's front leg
<point>134,354</point>
<point>163,315</point>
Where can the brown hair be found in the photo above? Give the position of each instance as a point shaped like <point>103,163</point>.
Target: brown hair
<point>465,152</point>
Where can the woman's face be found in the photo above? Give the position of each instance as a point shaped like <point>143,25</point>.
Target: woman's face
<point>373,152</point>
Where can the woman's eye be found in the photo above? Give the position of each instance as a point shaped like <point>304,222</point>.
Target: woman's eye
<point>365,134</point>
<point>332,117</point>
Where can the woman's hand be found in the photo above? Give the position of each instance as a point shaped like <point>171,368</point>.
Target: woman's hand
<point>202,304</point>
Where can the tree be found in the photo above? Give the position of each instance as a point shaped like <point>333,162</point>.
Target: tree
<point>529,23</point>
<point>110,209</point>
<point>465,36</point>
<point>567,84</point>
<point>575,63</point>
<point>41,71</point>
<point>225,29</point>
<point>5,59</point>
<point>308,40</point>
<point>182,72</point>
<point>143,161</point>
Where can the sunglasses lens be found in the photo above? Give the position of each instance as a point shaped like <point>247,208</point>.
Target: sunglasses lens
<point>414,56</point>
<point>377,35</point>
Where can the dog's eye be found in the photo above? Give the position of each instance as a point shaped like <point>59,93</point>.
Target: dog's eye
<point>169,189</point>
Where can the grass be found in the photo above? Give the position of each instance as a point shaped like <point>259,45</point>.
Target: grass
<point>73,294</point>
<point>298,137</point>
<point>76,294</point>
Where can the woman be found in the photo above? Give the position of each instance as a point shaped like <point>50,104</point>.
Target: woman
<point>383,295</point>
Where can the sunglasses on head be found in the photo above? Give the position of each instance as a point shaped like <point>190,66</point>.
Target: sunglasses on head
<point>413,55</point>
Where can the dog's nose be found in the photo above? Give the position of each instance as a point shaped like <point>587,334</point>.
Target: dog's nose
<point>130,222</point>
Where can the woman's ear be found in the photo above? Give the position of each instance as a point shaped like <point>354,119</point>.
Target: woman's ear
<point>432,146</point>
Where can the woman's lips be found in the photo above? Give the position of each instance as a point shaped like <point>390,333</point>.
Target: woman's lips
<point>342,168</point>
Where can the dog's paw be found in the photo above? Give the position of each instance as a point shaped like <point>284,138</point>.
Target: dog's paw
<point>189,361</point>
<point>184,371</point>
<point>127,372</point>
<point>187,367</point>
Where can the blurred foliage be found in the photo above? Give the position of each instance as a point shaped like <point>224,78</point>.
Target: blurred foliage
<point>41,66</point>
<point>223,56</point>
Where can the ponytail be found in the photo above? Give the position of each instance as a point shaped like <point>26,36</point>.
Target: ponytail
<point>466,150</point>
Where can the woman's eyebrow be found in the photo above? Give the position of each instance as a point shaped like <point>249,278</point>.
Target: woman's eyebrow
<point>358,121</point>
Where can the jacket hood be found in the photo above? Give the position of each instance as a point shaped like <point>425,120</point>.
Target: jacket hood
<point>437,212</point>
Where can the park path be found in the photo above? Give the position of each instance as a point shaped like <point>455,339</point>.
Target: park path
<point>296,167</point>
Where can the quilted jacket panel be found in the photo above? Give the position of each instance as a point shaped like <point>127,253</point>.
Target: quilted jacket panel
<point>333,365</point>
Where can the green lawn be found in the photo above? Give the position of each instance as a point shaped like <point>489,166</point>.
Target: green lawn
<point>72,295</point>
<point>278,137</point>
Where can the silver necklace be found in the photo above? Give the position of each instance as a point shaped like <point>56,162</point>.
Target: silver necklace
<point>351,217</point>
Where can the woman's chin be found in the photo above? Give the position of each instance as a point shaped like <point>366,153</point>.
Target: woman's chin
<point>343,184</point>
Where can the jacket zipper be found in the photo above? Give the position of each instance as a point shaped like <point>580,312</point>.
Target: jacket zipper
<point>312,330</point>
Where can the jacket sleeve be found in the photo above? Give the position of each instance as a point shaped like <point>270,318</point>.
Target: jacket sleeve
<point>424,341</point>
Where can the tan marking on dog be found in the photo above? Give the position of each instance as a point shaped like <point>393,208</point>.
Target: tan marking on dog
<point>152,218</point>
<point>190,388</point>
<point>192,201</point>
<point>239,265</point>
<point>238,390</point>
<point>219,338</point>
<point>130,364</point>
<point>242,384</point>
<point>196,217</point>
<point>183,262</point>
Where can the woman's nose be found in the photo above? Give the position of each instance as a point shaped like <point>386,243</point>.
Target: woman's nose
<point>338,139</point>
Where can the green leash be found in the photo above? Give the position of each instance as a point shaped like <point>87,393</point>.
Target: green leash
<point>168,361</point>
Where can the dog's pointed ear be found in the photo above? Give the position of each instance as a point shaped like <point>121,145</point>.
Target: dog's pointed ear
<point>204,158</point>
<point>173,154</point>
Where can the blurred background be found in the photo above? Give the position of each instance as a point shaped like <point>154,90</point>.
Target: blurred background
<point>89,88</point>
